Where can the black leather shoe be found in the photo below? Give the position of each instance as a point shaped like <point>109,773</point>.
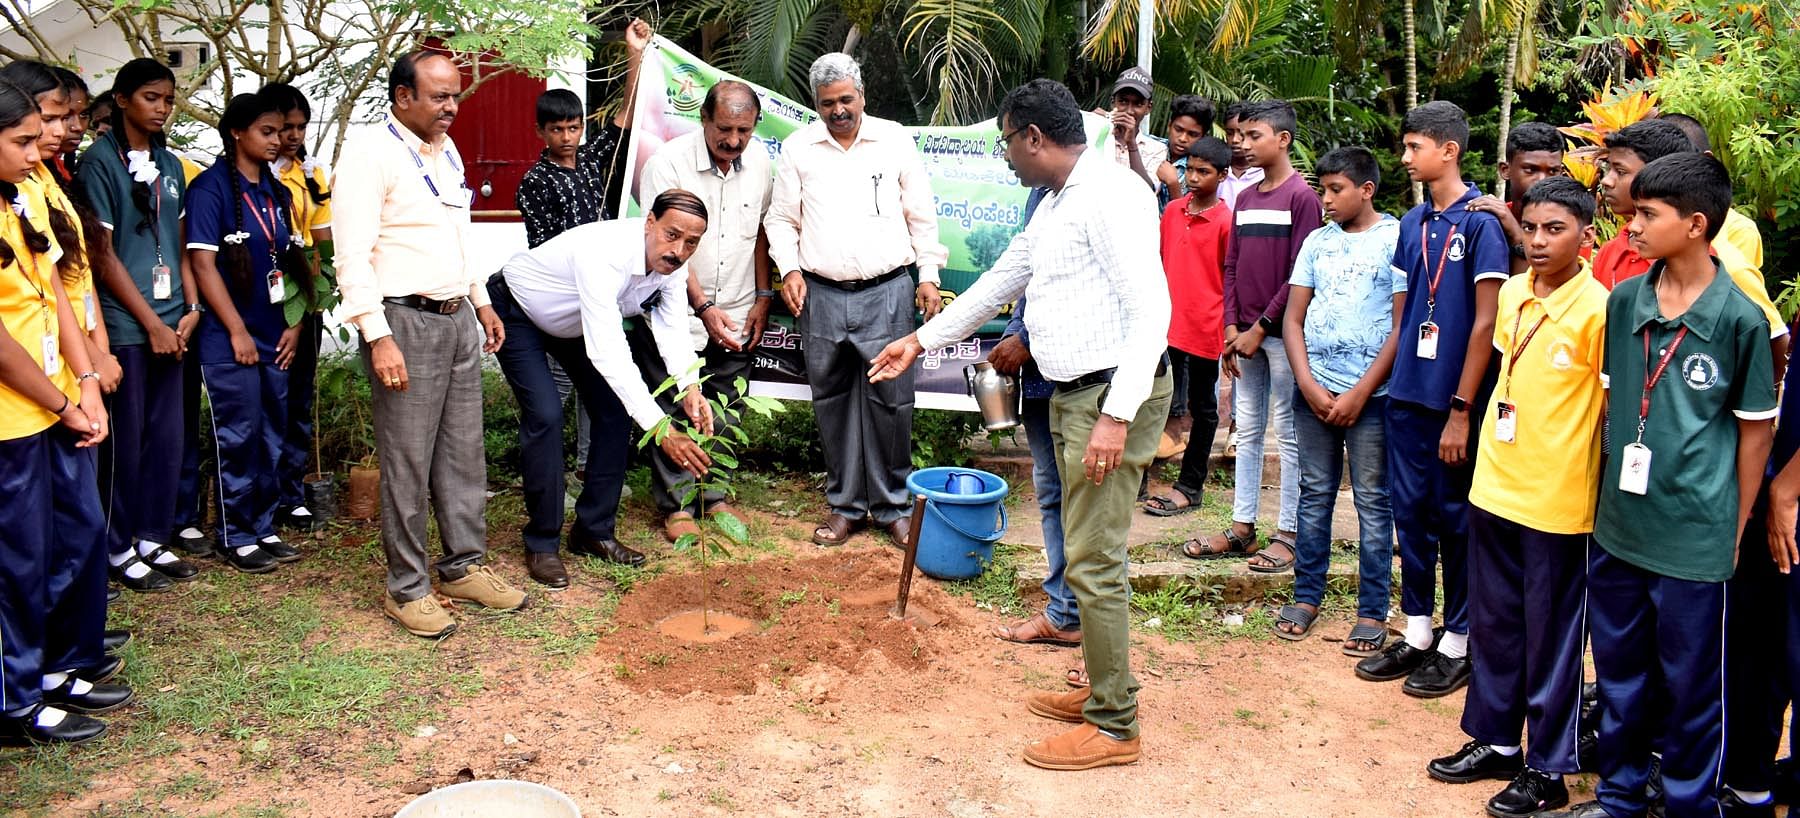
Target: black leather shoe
<point>291,518</point>
<point>1585,809</point>
<point>257,561</point>
<point>111,641</point>
<point>112,595</point>
<point>193,546</point>
<point>1438,676</point>
<point>546,568</point>
<point>581,542</point>
<point>173,567</point>
<point>22,731</point>
<point>108,667</point>
<point>99,698</point>
<point>1397,662</point>
<point>1587,751</point>
<point>1474,762</point>
<point>279,550</point>
<point>1529,793</point>
<point>1653,789</point>
<point>151,582</point>
<point>1787,782</point>
<point>1732,806</point>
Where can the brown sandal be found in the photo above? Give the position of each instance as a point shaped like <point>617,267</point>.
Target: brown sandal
<point>836,530</point>
<point>1038,631</point>
<point>678,525</point>
<point>1209,548</point>
<point>1076,677</point>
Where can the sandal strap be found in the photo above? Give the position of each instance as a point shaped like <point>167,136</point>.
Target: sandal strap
<point>1367,633</point>
<point>1296,615</point>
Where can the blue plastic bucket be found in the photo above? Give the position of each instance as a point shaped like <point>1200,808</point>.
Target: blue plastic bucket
<point>956,540</point>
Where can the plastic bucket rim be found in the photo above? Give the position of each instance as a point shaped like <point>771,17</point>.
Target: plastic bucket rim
<point>938,495</point>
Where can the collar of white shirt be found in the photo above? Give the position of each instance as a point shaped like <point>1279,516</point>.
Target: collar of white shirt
<point>872,129</point>
<point>703,160</point>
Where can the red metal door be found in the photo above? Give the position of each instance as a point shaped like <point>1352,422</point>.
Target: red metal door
<point>496,132</point>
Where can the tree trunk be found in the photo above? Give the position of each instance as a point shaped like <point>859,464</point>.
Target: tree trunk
<point>1412,75</point>
<point>1508,79</point>
<point>851,38</point>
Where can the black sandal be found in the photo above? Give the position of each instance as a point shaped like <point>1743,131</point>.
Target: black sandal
<point>1235,546</point>
<point>1277,565</point>
<point>1298,617</point>
<point>1164,506</point>
<point>1376,635</point>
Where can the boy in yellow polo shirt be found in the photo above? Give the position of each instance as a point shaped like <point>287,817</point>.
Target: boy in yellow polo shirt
<point>1531,510</point>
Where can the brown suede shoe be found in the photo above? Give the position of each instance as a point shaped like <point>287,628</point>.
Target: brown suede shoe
<point>420,617</point>
<point>1065,706</point>
<point>546,568</point>
<point>1082,748</point>
<point>485,588</point>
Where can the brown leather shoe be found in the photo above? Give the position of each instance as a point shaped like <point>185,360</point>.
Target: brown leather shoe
<point>1064,706</point>
<point>546,567</point>
<point>1038,631</point>
<point>610,550</point>
<point>899,529</point>
<point>1082,748</point>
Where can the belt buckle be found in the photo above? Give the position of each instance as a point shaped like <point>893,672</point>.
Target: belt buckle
<point>449,307</point>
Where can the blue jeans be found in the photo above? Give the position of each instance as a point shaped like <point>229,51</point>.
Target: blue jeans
<point>1265,393</point>
<point>1363,445</point>
<point>1061,611</point>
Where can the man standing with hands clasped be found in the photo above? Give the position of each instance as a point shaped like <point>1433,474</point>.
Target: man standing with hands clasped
<point>1099,321</point>
<point>850,220</point>
<point>402,262</point>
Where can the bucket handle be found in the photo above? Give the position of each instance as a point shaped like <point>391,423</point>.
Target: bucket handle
<point>931,508</point>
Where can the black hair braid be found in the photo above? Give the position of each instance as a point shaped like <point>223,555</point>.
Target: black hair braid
<point>68,235</point>
<point>36,242</point>
<point>291,258</point>
<point>319,196</point>
<point>140,191</point>
<point>234,257</point>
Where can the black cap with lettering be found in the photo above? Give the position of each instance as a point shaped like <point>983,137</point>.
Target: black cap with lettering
<point>1136,79</point>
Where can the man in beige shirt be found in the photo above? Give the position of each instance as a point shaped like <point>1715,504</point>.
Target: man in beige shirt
<point>851,219</point>
<point>728,275</point>
<point>402,234</point>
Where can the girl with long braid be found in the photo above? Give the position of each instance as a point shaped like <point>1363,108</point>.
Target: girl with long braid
<point>51,411</point>
<point>245,248</point>
<point>309,188</point>
<point>151,307</point>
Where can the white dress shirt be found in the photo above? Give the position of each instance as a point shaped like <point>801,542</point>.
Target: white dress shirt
<point>1089,263</point>
<point>584,282</point>
<point>401,216</point>
<point>853,213</point>
<point>725,261</point>
<point>1235,183</point>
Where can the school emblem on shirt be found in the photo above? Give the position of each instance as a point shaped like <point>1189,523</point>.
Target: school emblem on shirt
<point>1562,354</point>
<point>1457,248</point>
<point>1699,371</point>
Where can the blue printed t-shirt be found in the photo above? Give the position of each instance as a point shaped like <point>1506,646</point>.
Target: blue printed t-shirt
<point>1472,247</point>
<point>108,185</point>
<point>1354,282</point>
<point>214,213</point>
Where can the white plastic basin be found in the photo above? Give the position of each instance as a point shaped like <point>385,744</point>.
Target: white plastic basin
<point>498,798</point>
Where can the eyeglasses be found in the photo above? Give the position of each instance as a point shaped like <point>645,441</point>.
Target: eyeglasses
<point>1006,138</point>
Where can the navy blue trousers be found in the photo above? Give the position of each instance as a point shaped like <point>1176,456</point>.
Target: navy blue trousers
<point>296,443</point>
<point>189,506</point>
<point>541,427</point>
<point>249,424</point>
<point>52,564</point>
<point>1431,510</point>
<point>1526,617</point>
<point>1659,653</point>
<point>141,462</point>
<point>1762,659</point>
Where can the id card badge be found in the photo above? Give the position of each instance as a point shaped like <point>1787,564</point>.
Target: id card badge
<point>277,288</point>
<point>1506,422</point>
<point>87,308</point>
<point>51,364</point>
<point>1634,469</point>
<point>1428,338</point>
<point>162,284</point>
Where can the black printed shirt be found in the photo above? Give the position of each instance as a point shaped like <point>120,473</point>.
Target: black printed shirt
<point>553,198</point>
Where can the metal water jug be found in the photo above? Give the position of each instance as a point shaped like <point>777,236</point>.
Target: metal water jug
<point>997,395</point>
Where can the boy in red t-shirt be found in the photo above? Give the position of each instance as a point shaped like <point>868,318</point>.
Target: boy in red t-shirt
<point>1196,230</point>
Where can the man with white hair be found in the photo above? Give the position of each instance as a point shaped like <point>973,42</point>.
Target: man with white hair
<point>851,220</point>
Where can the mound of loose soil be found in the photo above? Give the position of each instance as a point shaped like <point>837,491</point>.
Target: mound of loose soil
<point>829,610</point>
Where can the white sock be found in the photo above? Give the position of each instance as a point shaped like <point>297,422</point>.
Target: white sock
<point>270,538</point>
<point>300,511</point>
<point>50,717</point>
<point>1756,797</point>
<point>244,550</point>
<point>121,558</point>
<point>145,548</point>
<point>191,533</point>
<point>136,569</point>
<point>1508,750</point>
<point>1454,645</point>
<point>1418,632</point>
<point>1551,776</point>
<point>53,681</point>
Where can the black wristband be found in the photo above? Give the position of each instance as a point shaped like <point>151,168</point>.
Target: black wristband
<point>704,306</point>
<point>65,406</point>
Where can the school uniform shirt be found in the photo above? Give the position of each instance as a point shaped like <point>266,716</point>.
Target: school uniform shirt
<point>1235,183</point>
<point>43,193</point>
<point>1740,232</point>
<point>28,312</point>
<point>405,225</point>
<point>1270,226</point>
<point>1618,261</point>
<point>1165,193</point>
<point>216,218</point>
<point>1685,525</point>
<point>308,214</point>
<point>1152,151</point>
<point>1469,247</point>
<point>725,261</point>
<point>1551,351</point>
<point>553,198</point>
<point>107,182</point>
<point>586,280</point>
<point>1193,254</point>
<point>1352,310</point>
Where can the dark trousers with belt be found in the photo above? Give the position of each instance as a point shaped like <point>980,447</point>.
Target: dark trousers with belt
<point>1762,657</point>
<point>52,564</point>
<point>249,422</point>
<point>1431,512</point>
<point>1526,614</point>
<point>140,463</point>
<point>1659,654</point>
<point>721,367</point>
<point>865,430</point>
<point>297,434</point>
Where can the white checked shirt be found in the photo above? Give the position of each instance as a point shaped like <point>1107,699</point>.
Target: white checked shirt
<point>584,281</point>
<point>1089,262</point>
<point>725,262</point>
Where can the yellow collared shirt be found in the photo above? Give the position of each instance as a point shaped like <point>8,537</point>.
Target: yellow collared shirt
<point>28,310</point>
<point>308,214</point>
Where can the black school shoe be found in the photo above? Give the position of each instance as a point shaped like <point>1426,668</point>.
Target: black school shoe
<point>174,567</point>
<point>24,731</point>
<point>279,549</point>
<point>151,582</point>
<point>298,518</point>
<point>194,545</point>
<point>1474,762</point>
<point>99,698</point>
<point>257,561</point>
<point>1398,661</point>
<point>1437,676</point>
<point>111,641</point>
<point>1529,793</point>
<point>1732,806</point>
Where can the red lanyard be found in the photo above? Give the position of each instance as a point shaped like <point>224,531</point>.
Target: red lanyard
<point>1653,377</point>
<point>1514,360</point>
<point>1425,258</point>
<point>268,228</point>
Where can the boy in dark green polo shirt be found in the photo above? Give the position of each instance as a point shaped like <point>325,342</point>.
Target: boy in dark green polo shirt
<point>1690,406</point>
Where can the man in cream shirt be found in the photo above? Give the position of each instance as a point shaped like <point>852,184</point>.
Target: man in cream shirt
<point>402,230</point>
<point>727,277</point>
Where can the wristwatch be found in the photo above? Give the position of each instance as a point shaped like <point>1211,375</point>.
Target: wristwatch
<point>196,307</point>
<point>1268,324</point>
<point>704,306</point>
<point>1458,404</point>
<point>86,376</point>
<point>765,293</point>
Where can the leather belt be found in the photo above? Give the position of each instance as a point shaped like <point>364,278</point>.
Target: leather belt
<point>423,304</point>
<point>1102,376</point>
<point>860,284</point>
